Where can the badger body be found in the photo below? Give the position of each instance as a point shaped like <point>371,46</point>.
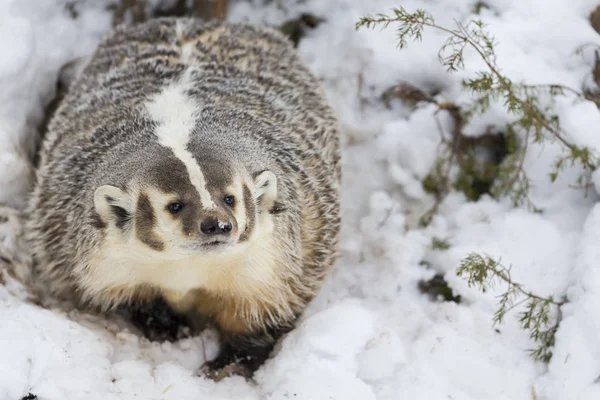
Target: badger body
<point>196,162</point>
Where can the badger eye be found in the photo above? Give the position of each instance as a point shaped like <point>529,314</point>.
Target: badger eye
<point>175,207</point>
<point>229,200</point>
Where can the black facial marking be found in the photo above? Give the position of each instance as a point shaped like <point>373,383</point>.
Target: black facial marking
<point>97,222</point>
<point>144,223</point>
<point>218,173</point>
<point>189,221</point>
<point>250,214</point>
<point>170,176</point>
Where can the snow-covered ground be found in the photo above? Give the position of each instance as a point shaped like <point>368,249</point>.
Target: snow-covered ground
<point>370,334</point>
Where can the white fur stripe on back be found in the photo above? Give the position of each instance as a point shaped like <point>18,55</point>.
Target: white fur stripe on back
<point>176,115</point>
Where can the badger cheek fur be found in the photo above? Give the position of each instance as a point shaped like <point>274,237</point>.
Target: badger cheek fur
<point>157,153</point>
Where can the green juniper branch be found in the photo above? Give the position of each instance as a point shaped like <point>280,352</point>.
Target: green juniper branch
<point>532,121</point>
<point>521,100</point>
<point>483,271</point>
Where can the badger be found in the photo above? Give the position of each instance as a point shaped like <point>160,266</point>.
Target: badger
<point>195,164</point>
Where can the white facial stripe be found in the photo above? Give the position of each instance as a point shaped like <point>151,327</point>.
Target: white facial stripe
<point>176,115</point>
<point>179,26</point>
<point>187,50</point>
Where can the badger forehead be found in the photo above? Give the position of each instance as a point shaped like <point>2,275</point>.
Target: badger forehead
<point>175,116</point>
<point>170,174</point>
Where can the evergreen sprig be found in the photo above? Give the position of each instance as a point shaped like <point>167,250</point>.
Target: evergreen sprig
<point>541,315</point>
<point>532,121</point>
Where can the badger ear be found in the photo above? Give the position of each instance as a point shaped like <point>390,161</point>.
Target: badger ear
<point>113,205</point>
<point>265,192</point>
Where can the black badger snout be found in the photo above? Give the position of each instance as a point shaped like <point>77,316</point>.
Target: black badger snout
<point>215,226</point>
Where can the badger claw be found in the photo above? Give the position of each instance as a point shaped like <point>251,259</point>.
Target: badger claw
<point>232,361</point>
<point>217,373</point>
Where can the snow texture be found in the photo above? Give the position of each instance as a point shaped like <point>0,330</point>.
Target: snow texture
<point>370,333</point>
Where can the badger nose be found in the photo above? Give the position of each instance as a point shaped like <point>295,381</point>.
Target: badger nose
<point>215,227</point>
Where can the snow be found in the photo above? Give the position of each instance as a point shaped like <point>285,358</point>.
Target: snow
<point>36,38</point>
<point>574,370</point>
<point>370,333</point>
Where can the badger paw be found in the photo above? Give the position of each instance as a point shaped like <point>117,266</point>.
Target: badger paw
<point>230,362</point>
<point>158,322</point>
<point>217,370</point>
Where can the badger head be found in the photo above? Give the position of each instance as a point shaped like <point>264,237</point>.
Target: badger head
<point>178,207</point>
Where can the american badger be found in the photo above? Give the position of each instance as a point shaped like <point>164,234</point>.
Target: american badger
<point>197,163</point>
